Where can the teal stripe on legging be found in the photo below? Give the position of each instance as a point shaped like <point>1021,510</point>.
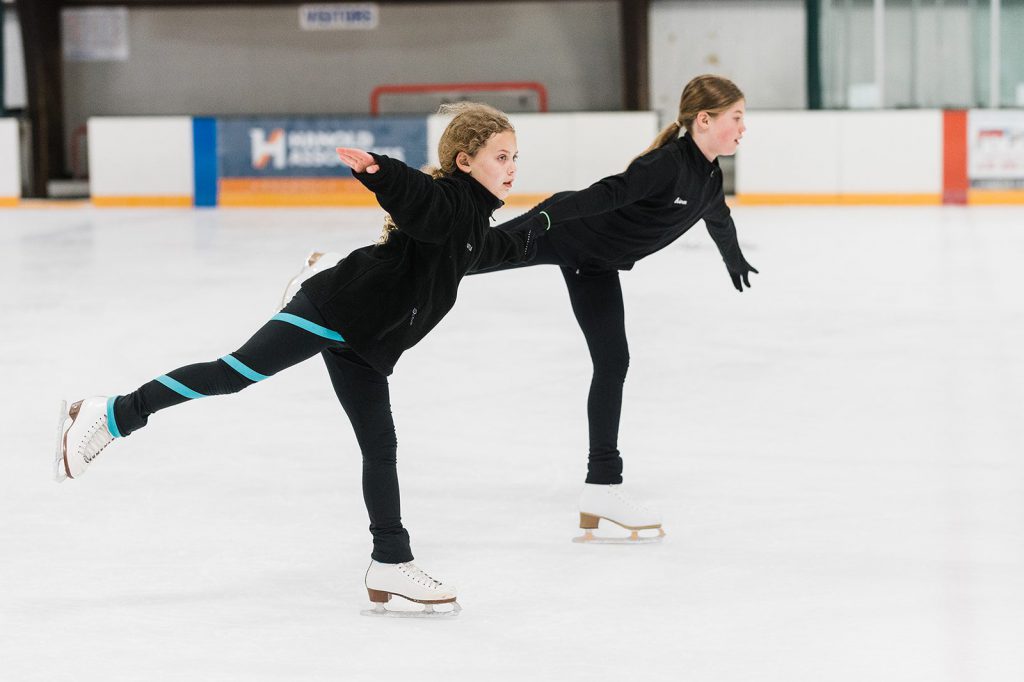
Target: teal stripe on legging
<point>111,422</point>
<point>178,387</point>
<point>308,326</point>
<point>242,369</point>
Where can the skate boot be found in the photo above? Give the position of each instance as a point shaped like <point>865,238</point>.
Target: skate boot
<point>82,433</point>
<point>610,503</point>
<point>316,261</point>
<point>384,581</point>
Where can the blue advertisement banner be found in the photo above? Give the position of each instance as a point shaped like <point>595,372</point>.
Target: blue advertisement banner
<point>303,147</point>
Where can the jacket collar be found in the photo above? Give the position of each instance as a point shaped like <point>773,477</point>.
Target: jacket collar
<point>483,198</point>
<point>696,157</point>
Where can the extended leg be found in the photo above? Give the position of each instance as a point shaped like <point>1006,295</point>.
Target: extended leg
<point>294,335</point>
<point>89,425</point>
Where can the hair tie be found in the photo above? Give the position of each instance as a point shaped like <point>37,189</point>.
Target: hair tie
<point>545,214</point>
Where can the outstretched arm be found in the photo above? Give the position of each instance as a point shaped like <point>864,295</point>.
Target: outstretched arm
<point>500,247</point>
<point>645,176</point>
<point>723,231</point>
<point>420,207</point>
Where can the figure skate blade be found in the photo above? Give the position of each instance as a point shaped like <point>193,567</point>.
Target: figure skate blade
<point>636,536</point>
<point>428,611</point>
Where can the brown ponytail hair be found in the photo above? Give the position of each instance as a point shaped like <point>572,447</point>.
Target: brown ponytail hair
<point>470,128</point>
<point>710,93</point>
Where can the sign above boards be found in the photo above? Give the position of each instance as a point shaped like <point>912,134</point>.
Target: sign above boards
<point>339,16</point>
<point>94,34</point>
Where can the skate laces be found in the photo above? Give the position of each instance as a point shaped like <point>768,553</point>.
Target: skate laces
<point>99,438</point>
<point>419,575</point>
<point>636,506</point>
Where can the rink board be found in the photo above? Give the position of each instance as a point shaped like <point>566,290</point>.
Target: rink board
<point>922,157</point>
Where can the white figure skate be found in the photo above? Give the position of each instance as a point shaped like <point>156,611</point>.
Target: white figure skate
<point>316,261</point>
<point>82,433</point>
<point>384,581</point>
<point>610,503</point>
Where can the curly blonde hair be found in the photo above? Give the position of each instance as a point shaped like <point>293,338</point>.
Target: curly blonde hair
<point>472,125</point>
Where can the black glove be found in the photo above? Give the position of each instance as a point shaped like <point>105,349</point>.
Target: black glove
<point>740,273</point>
<point>532,230</point>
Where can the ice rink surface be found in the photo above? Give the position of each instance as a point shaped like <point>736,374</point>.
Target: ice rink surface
<point>837,454</point>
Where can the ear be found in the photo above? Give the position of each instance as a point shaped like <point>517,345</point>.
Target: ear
<point>462,160</point>
<point>703,119</point>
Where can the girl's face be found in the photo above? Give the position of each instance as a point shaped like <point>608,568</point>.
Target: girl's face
<point>721,133</point>
<point>494,164</point>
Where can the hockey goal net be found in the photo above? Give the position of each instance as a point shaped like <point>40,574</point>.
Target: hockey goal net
<point>425,98</point>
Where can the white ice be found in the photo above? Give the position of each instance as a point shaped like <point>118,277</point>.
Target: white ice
<point>837,454</point>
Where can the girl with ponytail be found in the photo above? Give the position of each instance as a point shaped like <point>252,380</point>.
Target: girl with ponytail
<point>615,222</point>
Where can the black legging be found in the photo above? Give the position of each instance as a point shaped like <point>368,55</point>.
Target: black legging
<point>294,335</point>
<point>596,298</point>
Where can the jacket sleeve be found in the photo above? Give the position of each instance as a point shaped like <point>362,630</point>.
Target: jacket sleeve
<point>422,208</point>
<point>501,247</point>
<point>722,229</point>
<point>645,176</point>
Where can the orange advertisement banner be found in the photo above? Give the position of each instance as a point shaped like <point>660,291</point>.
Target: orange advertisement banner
<point>293,192</point>
<point>926,199</point>
<point>145,201</point>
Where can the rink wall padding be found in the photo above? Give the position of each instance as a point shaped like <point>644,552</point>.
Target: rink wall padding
<point>260,161</point>
<point>995,156</point>
<point>955,180</point>
<point>566,151</point>
<point>918,157</point>
<point>291,161</point>
<point>841,157</point>
<point>914,157</point>
<point>10,163</point>
<point>204,154</point>
<point>141,161</point>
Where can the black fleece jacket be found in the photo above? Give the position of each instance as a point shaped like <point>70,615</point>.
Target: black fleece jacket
<point>622,218</point>
<point>384,298</point>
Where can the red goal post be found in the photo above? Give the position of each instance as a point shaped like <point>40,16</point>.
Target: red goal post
<point>531,95</point>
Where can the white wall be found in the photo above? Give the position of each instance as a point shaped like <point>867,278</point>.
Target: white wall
<point>10,160</point>
<point>141,157</point>
<point>759,45</point>
<point>844,153</point>
<point>568,151</point>
<point>256,60</point>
